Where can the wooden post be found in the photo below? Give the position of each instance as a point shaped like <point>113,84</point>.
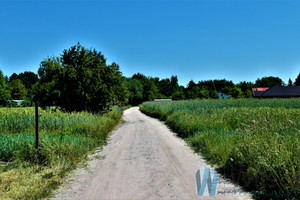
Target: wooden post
<point>36,123</point>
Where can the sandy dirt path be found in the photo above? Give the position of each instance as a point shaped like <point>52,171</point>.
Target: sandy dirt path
<point>143,160</point>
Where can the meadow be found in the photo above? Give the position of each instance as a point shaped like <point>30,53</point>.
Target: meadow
<point>65,141</point>
<point>254,142</point>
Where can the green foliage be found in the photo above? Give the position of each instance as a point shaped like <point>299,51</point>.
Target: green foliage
<point>297,81</point>
<point>209,89</point>
<point>256,142</point>
<point>233,91</point>
<point>192,92</point>
<point>179,94</point>
<point>167,87</point>
<point>268,81</point>
<point>150,90</point>
<point>290,82</point>
<point>245,86</point>
<point>65,140</point>
<point>135,88</point>
<point>236,92</point>
<point>248,93</point>
<point>204,93</point>
<point>221,84</point>
<point>47,89</point>
<point>18,90</point>
<point>4,91</point>
<point>13,77</point>
<point>27,78</point>
<point>4,95</point>
<point>214,94</point>
<point>81,80</point>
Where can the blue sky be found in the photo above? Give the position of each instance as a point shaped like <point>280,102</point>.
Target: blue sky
<point>199,40</point>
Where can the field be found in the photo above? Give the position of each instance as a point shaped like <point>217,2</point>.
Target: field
<point>255,142</point>
<point>65,140</point>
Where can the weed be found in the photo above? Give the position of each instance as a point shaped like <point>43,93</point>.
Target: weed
<point>65,140</point>
<point>255,141</point>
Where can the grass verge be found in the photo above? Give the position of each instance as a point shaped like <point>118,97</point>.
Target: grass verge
<point>255,142</point>
<point>65,140</point>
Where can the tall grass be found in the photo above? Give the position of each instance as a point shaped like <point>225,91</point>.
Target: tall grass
<point>256,142</point>
<point>65,139</point>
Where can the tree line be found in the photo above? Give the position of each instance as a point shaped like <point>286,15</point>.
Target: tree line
<point>142,88</point>
<point>17,87</point>
<point>80,79</point>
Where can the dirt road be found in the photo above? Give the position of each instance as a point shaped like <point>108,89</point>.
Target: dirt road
<point>143,160</point>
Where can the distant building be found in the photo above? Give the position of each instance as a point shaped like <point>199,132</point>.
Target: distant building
<point>222,95</point>
<point>278,91</point>
<point>16,101</point>
<point>162,99</point>
<point>258,91</point>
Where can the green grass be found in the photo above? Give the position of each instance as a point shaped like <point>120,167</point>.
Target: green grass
<point>65,140</point>
<point>256,142</point>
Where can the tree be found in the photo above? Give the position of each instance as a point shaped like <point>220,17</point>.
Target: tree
<point>4,95</point>
<point>18,90</point>
<point>191,84</point>
<point>214,94</point>
<point>248,93</point>
<point>209,84</point>
<point>290,82</point>
<point>174,84</point>
<point>135,88</point>
<point>167,87</point>
<point>194,92</point>
<point>81,80</point>
<point>121,92</point>
<point>208,89</point>
<point>268,82</point>
<point>227,90</point>
<point>164,86</point>
<point>28,79</point>
<point>236,92</point>
<point>4,91</point>
<point>179,94</point>
<point>221,84</point>
<point>49,72</point>
<point>204,93</point>
<point>297,81</point>
<point>12,77</point>
<point>246,88</point>
<point>150,90</point>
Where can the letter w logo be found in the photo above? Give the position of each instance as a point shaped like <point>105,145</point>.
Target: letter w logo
<point>206,182</point>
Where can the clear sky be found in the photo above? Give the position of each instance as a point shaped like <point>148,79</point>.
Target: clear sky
<point>199,40</point>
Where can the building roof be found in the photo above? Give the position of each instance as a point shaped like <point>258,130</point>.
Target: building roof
<point>17,101</point>
<point>162,99</point>
<point>257,93</point>
<point>222,95</point>
<point>279,91</point>
<point>260,89</point>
